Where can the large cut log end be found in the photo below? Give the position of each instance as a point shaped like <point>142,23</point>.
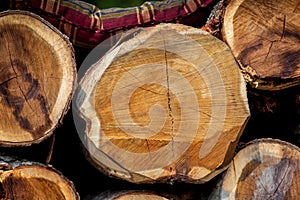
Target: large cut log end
<point>37,78</point>
<point>168,103</point>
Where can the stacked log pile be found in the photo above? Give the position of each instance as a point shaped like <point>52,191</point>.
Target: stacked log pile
<point>166,112</point>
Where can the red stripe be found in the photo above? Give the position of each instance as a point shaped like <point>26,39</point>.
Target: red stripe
<point>75,17</point>
<point>169,14</point>
<point>187,7</point>
<point>35,4</point>
<point>124,21</point>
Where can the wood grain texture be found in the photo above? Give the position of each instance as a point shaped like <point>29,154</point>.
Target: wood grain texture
<point>130,195</point>
<point>264,169</point>
<point>37,78</point>
<point>167,104</point>
<point>20,179</point>
<point>264,38</point>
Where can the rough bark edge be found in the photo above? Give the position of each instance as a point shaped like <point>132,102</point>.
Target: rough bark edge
<point>271,141</point>
<point>74,84</point>
<point>215,20</point>
<point>269,83</point>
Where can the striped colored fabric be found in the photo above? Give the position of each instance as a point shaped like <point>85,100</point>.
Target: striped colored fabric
<point>86,25</point>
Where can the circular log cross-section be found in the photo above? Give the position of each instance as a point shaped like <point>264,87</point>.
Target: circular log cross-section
<point>168,103</point>
<point>37,78</point>
<point>264,36</point>
<point>130,195</point>
<point>265,169</point>
<point>29,180</point>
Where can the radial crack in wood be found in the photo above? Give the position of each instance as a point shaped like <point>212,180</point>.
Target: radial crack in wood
<point>168,104</point>
<point>264,38</point>
<point>37,76</point>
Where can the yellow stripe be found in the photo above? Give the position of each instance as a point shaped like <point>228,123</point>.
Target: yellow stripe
<point>145,14</point>
<point>153,13</point>
<point>57,7</point>
<point>112,14</point>
<point>92,21</point>
<point>74,35</point>
<point>42,3</point>
<point>192,6</point>
<point>49,6</point>
<point>61,25</point>
<point>138,15</point>
<point>75,7</point>
<point>185,9</point>
<point>98,19</point>
<point>67,29</point>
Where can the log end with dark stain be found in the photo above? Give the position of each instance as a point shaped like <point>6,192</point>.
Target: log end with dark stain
<point>37,78</point>
<point>264,38</point>
<point>25,180</point>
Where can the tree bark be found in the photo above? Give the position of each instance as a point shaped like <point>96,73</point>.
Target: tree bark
<point>264,38</point>
<point>166,103</point>
<point>264,169</point>
<point>22,179</point>
<point>37,78</point>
